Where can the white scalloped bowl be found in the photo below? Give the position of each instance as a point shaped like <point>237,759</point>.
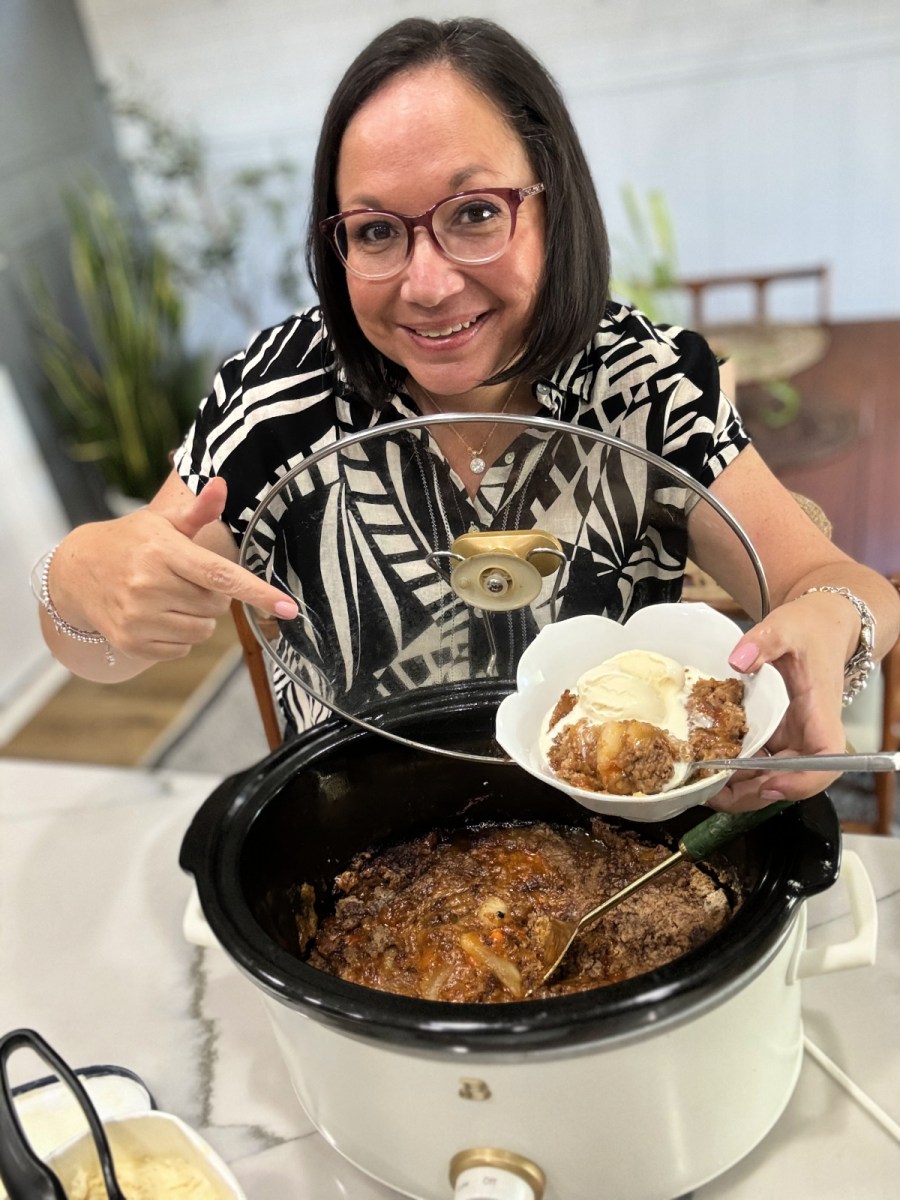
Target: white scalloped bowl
<point>693,634</point>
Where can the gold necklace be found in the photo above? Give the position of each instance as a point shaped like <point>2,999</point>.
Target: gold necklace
<point>477,464</point>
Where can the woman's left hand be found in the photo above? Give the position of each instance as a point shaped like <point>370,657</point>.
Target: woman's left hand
<point>798,639</point>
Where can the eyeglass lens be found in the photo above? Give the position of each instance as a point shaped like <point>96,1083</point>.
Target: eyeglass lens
<point>469,229</point>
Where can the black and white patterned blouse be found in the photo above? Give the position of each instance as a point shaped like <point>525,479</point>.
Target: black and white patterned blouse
<point>349,538</point>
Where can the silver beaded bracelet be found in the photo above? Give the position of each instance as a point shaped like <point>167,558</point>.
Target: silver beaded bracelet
<point>861,663</point>
<point>41,586</point>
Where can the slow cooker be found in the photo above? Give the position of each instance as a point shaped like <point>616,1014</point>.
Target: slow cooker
<point>642,1090</point>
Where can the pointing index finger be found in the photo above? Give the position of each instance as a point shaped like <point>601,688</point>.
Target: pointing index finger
<point>218,574</point>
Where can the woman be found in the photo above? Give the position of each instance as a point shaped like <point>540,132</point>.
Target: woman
<point>462,265</point>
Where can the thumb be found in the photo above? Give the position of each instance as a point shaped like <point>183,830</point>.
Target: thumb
<point>207,506</point>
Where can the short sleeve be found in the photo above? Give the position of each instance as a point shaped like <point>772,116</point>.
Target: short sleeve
<point>194,461</point>
<point>269,406</point>
<point>703,431</point>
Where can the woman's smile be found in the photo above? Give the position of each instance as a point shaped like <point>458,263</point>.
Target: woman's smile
<point>459,327</point>
<point>450,335</point>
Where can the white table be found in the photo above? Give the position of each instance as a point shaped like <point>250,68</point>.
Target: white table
<point>92,956</point>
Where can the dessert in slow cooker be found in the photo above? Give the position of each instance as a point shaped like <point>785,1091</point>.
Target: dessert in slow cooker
<point>633,725</point>
<point>465,916</point>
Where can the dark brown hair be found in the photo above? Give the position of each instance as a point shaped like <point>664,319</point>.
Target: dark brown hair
<point>575,280</point>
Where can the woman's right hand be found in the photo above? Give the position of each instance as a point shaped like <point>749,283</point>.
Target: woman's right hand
<point>153,582</point>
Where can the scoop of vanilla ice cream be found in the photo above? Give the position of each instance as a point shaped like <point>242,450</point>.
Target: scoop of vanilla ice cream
<point>638,685</point>
<point>609,695</point>
<point>656,669</point>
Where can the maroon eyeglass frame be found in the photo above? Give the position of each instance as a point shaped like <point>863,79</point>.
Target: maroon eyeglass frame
<point>513,197</point>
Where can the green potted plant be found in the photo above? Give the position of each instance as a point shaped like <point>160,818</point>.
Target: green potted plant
<point>646,266</point>
<point>232,232</point>
<point>647,272</point>
<point>126,394</point>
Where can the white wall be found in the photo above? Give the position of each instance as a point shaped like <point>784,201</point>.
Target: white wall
<point>772,126</point>
<point>33,521</point>
<point>54,126</point>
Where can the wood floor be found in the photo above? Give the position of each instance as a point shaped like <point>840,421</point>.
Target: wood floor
<point>126,724</point>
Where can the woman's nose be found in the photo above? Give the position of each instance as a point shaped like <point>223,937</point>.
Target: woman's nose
<point>429,277</point>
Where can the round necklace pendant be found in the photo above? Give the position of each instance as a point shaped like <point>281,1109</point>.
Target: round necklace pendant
<point>477,465</point>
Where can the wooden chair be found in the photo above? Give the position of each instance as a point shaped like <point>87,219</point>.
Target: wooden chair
<point>760,348</point>
<point>886,782</point>
<point>761,282</point>
<point>254,657</point>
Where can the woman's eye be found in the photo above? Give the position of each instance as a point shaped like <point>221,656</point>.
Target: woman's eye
<point>476,212</point>
<point>374,234</point>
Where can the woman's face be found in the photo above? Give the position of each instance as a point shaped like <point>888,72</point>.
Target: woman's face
<point>424,136</point>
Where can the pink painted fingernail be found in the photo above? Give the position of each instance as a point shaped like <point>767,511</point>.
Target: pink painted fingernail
<point>287,609</point>
<point>771,796</point>
<point>744,656</point>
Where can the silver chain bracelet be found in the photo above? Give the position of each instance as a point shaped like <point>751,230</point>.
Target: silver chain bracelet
<point>861,663</point>
<point>41,587</point>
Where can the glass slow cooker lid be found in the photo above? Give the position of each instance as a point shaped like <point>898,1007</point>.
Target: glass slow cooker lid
<point>406,580</point>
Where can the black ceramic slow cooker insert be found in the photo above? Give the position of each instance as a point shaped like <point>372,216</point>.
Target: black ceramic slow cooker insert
<point>302,814</point>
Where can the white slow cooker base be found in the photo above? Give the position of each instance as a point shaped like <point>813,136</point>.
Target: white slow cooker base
<point>649,1119</point>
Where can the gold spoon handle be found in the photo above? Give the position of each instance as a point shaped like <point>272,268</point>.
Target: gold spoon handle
<point>630,888</point>
<point>699,842</point>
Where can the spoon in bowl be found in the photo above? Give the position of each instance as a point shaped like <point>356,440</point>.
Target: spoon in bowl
<point>843,762</point>
<point>884,761</point>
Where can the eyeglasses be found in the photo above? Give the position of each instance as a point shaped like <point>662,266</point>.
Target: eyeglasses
<point>470,227</point>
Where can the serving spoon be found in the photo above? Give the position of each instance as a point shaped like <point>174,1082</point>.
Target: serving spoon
<point>709,835</point>
<point>696,844</point>
<point>884,761</point>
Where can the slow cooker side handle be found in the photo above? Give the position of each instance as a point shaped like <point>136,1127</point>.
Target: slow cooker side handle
<point>207,821</point>
<point>858,950</point>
